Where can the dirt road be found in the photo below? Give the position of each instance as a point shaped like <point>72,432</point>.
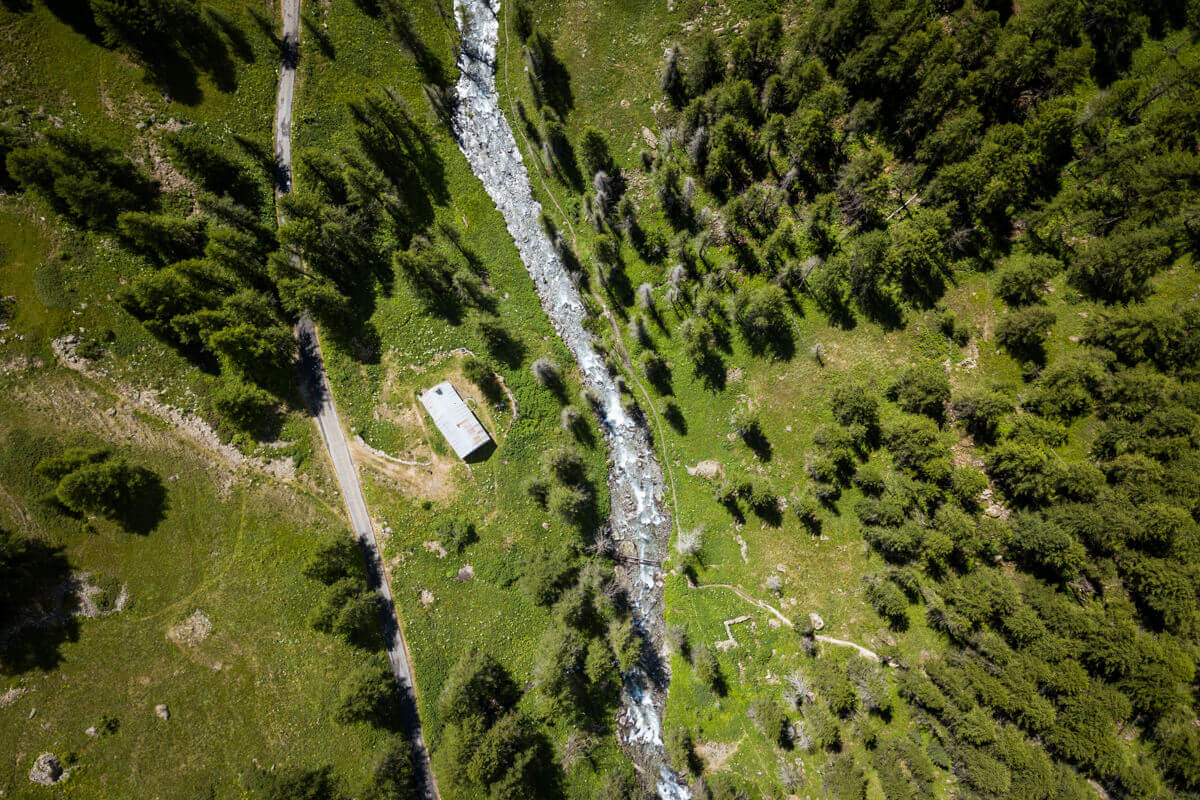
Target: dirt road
<point>314,385</point>
<point>283,99</point>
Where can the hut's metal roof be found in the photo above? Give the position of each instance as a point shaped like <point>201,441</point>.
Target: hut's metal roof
<point>456,422</point>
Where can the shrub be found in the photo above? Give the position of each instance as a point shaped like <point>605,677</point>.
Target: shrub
<point>1021,279</point>
<point>889,602</point>
<point>368,695</point>
<point>681,751</point>
<point>456,534</point>
<point>546,374</point>
<point>245,407</point>
<point>706,669</point>
<point>771,720</point>
<point>966,484</point>
<point>922,389</point>
<point>1023,333</point>
<point>854,404</point>
<point>338,558</point>
<point>574,504</point>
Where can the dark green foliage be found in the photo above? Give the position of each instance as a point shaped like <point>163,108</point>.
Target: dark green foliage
<point>844,779</point>
<point>575,504</point>
<point>922,389</point>
<point>26,565</point>
<point>523,19</point>
<point>1021,279</point>
<point>337,558</point>
<point>208,165</point>
<point>477,686</point>
<point>456,535</point>
<point>771,720</point>
<point>293,783</point>
<point>482,375</point>
<point>86,181</point>
<point>681,751</point>
<point>889,602</point>
<point>96,482</point>
<point>547,574</point>
<point>839,694</point>
<point>164,237</point>
<point>1067,388</point>
<point>1167,338</point>
<point>349,611</point>
<point>368,695</point>
<point>966,484</point>
<point>704,65</point>
<point>981,410</point>
<point>761,314</point>
<point>593,152</point>
<point>1028,471</point>
<point>394,777</point>
<point>1023,333</point>
<point>247,408</point>
<point>916,444</point>
<point>855,404</point>
<point>1117,267</point>
<point>1046,547</point>
<point>706,669</point>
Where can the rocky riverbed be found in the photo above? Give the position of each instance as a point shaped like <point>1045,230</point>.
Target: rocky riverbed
<point>640,523</point>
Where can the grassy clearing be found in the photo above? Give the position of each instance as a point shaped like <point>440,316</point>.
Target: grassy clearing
<point>257,690</point>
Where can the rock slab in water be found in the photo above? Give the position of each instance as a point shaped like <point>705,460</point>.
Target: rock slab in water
<point>47,770</point>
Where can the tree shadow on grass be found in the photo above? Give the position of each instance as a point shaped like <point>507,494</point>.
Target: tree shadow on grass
<point>757,441</point>
<point>242,49</point>
<point>37,605</point>
<point>72,13</point>
<point>323,40</point>
<point>710,369</point>
<point>145,506</point>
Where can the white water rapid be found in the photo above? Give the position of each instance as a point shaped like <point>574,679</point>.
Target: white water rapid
<point>639,521</point>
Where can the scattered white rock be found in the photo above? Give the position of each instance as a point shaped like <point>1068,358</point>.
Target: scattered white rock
<point>47,770</point>
<point>815,619</point>
<point>91,732</point>
<point>192,631</point>
<point>11,696</point>
<point>162,711</point>
<point>426,598</point>
<point>435,547</point>
<point>708,470</point>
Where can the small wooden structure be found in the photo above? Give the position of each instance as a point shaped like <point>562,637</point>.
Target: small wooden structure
<point>457,423</point>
